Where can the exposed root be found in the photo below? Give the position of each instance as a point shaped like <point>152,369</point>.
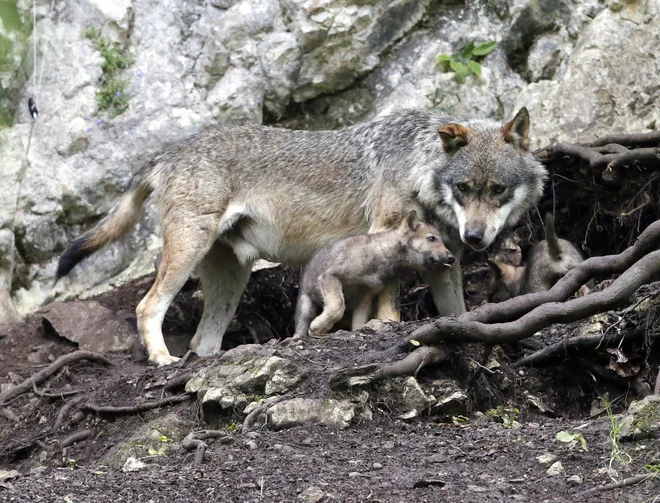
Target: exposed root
<point>372,373</point>
<point>78,436</point>
<point>8,414</point>
<point>61,394</point>
<point>624,483</point>
<point>578,342</point>
<point>251,418</point>
<point>61,415</point>
<point>135,409</point>
<point>628,140</point>
<point>194,441</point>
<point>178,382</point>
<point>50,370</point>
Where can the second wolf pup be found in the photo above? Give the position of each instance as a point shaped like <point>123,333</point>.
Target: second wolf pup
<point>549,261</point>
<point>352,271</point>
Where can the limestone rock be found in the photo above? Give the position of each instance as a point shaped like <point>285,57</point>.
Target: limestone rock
<point>305,411</point>
<point>642,420</point>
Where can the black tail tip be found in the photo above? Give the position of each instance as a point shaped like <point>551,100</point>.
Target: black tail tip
<point>72,256</point>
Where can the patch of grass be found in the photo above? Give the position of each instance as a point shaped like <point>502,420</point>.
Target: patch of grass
<point>467,62</point>
<point>617,454</point>
<point>111,97</point>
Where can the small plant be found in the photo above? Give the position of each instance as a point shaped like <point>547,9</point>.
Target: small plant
<point>615,429</point>
<point>111,97</point>
<point>460,420</point>
<point>566,437</point>
<point>507,416</point>
<point>468,61</point>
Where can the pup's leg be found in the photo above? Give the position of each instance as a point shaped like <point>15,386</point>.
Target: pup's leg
<point>223,280</point>
<point>305,313</point>
<point>362,313</point>
<point>184,243</point>
<point>447,290</point>
<point>333,305</point>
<point>388,300</point>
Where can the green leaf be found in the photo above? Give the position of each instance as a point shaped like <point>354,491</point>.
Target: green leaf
<point>484,49</point>
<point>467,51</point>
<point>475,67</point>
<point>564,436</point>
<point>442,57</point>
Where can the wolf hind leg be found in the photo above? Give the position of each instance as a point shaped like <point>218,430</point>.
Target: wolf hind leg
<point>333,305</point>
<point>224,279</point>
<point>388,309</point>
<point>363,311</point>
<point>185,242</point>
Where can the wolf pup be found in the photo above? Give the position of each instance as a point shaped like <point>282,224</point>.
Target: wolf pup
<point>233,194</point>
<point>549,261</point>
<point>352,271</point>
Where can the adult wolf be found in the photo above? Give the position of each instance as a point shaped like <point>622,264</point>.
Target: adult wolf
<point>230,195</point>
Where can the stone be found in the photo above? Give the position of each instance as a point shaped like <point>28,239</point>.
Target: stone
<point>9,475</point>
<point>555,469</point>
<point>576,480</point>
<point>546,459</point>
<point>452,401</point>
<point>90,325</point>
<point>414,397</point>
<point>312,494</point>
<point>307,411</point>
<point>133,465</point>
<point>642,420</point>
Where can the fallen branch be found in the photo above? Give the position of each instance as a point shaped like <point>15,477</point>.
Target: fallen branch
<point>50,370</point>
<point>578,342</point>
<point>78,436</point>
<point>195,441</point>
<point>251,418</point>
<point>615,296</point>
<point>135,409</point>
<point>178,382</point>
<point>616,485</point>
<point>372,373</point>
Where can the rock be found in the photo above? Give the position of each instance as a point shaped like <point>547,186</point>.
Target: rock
<point>574,479</point>
<point>377,466</point>
<point>133,465</point>
<point>546,459</point>
<point>555,469</point>
<point>453,399</point>
<point>9,475</point>
<point>538,403</point>
<point>312,494</point>
<point>642,420</point>
<point>90,325</point>
<point>306,411</point>
<point>374,326</point>
<point>414,397</point>
<point>242,375</point>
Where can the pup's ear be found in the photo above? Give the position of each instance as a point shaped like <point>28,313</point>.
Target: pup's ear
<point>453,136</point>
<point>496,267</point>
<point>410,223</point>
<point>516,132</point>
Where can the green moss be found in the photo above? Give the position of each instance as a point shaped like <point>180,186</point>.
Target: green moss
<point>111,96</point>
<point>646,416</point>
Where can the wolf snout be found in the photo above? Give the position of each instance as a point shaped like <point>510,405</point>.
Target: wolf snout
<point>438,261</point>
<point>473,237</point>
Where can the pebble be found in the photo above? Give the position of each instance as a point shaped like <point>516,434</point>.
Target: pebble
<point>546,459</point>
<point>312,494</point>
<point>133,465</point>
<point>574,479</point>
<point>555,469</point>
<point>377,466</point>
<point>352,475</point>
<point>251,445</point>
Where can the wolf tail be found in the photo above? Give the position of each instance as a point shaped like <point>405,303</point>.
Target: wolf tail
<point>551,237</point>
<point>113,226</point>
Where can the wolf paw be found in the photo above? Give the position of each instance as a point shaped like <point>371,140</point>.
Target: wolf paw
<point>162,358</point>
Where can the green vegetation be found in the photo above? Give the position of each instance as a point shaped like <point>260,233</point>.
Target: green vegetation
<point>111,97</point>
<point>617,453</point>
<point>566,437</point>
<point>14,33</point>
<point>507,416</point>
<point>468,61</point>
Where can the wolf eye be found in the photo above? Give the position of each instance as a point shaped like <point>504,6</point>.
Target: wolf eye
<point>462,187</point>
<point>431,239</point>
<point>498,189</point>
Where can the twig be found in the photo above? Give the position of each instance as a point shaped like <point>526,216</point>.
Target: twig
<point>369,374</point>
<point>656,390</point>
<point>251,418</point>
<point>578,342</point>
<point>624,483</point>
<point>195,441</point>
<point>135,409</point>
<point>61,394</point>
<point>182,362</point>
<point>78,436</point>
<point>51,369</point>
<point>61,415</point>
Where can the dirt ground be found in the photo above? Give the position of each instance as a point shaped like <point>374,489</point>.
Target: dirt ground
<point>385,459</point>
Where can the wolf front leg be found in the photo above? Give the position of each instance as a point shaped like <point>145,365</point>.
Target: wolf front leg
<point>387,308</point>
<point>223,281</point>
<point>447,290</point>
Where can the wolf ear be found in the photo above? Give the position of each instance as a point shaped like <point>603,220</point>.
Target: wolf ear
<point>410,223</point>
<point>453,136</point>
<point>516,132</point>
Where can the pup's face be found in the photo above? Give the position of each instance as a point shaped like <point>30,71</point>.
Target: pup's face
<point>425,249</point>
<point>504,282</point>
<point>491,179</point>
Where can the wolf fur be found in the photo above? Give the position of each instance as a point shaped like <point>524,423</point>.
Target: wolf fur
<point>549,261</point>
<point>230,195</point>
<point>352,271</point>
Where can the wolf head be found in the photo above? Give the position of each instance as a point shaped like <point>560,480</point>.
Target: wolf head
<point>489,179</point>
<point>422,245</point>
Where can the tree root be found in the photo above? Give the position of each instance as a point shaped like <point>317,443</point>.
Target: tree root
<point>135,409</point>
<point>372,373</point>
<point>578,342</point>
<point>48,371</point>
<point>78,436</point>
<point>194,441</point>
<point>8,414</point>
<point>624,483</point>
<point>61,415</point>
<point>251,418</point>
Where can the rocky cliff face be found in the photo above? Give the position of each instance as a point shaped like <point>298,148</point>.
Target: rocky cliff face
<point>581,67</point>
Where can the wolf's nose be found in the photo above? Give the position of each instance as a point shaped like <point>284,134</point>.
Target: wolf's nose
<point>474,236</point>
<point>450,258</point>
